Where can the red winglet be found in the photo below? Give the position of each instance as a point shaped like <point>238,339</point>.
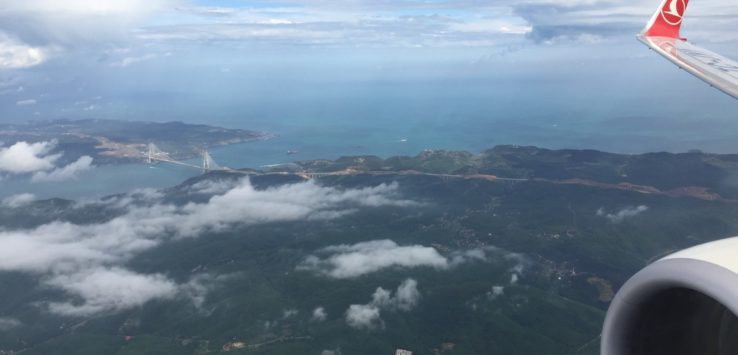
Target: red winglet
<point>667,20</point>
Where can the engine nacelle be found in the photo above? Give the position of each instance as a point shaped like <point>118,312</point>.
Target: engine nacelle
<point>683,304</point>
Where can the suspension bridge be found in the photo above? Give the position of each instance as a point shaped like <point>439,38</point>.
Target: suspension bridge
<point>154,155</point>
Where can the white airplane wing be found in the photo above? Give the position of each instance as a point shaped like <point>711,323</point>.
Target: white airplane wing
<point>662,35</point>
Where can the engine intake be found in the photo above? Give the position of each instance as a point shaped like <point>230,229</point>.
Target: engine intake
<point>684,304</point>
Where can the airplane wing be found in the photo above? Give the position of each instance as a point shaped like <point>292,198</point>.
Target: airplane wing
<point>662,35</point>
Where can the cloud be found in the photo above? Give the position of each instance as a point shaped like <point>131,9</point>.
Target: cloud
<point>85,7</point>
<point>407,296</point>
<point>55,245</point>
<point>623,214</point>
<point>319,315</point>
<point>68,172</point>
<point>18,200</point>
<point>36,28</point>
<point>368,316</point>
<point>349,261</point>
<point>289,313</point>
<point>76,23</point>
<point>304,201</point>
<point>77,258</point>
<point>15,54</point>
<point>106,290</point>
<point>28,102</point>
<point>198,287</point>
<point>127,61</point>
<point>9,323</point>
<point>23,157</point>
<point>362,316</point>
<point>212,187</point>
<point>137,197</point>
<point>496,291</point>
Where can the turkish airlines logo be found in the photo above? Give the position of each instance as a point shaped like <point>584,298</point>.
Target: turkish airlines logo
<point>673,11</point>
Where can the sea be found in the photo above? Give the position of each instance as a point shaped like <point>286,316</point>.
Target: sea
<point>582,107</point>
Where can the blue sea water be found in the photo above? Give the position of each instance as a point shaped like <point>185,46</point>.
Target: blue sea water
<point>324,111</point>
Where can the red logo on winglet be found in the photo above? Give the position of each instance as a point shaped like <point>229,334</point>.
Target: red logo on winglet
<point>673,11</point>
<point>668,19</point>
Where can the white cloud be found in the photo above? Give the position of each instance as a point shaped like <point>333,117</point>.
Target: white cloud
<point>136,197</point>
<point>289,313</point>
<point>86,7</point>
<point>348,261</point>
<point>54,245</point>
<point>80,257</point>
<point>9,323</point>
<point>27,102</point>
<point>496,291</point>
<point>407,295</point>
<point>23,157</point>
<point>68,172</point>
<point>289,202</point>
<point>109,290</point>
<point>465,256</point>
<point>18,200</point>
<point>319,314</point>
<point>368,316</point>
<point>128,61</point>
<point>623,214</point>
<point>212,187</point>
<point>199,286</point>
<point>363,316</point>
<point>15,54</point>
<point>65,22</point>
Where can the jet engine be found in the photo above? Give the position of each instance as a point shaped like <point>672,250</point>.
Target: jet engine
<point>683,304</point>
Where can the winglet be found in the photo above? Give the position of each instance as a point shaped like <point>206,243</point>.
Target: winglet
<point>667,20</point>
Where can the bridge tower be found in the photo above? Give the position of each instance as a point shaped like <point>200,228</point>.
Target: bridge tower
<point>208,164</point>
<point>150,155</point>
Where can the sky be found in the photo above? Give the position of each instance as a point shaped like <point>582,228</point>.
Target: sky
<point>266,64</point>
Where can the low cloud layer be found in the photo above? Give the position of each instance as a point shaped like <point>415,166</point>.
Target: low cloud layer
<point>88,260</point>
<point>68,172</point>
<point>109,290</point>
<point>368,316</point>
<point>212,187</point>
<point>38,159</point>
<point>18,200</point>
<point>623,214</point>
<point>350,261</point>
<point>26,102</point>
<point>9,323</point>
<point>15,54</point>
<point>23,157</point>
<point>319,315</point>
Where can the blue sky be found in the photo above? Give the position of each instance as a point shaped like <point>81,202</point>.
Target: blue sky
<point>556,62</point>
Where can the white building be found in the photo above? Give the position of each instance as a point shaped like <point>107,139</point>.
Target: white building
<point>403,352</point>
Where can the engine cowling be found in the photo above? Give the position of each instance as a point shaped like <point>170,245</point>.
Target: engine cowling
<point>683,304</point>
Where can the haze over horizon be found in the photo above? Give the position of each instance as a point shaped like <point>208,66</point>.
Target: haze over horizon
<point>556,74</point>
